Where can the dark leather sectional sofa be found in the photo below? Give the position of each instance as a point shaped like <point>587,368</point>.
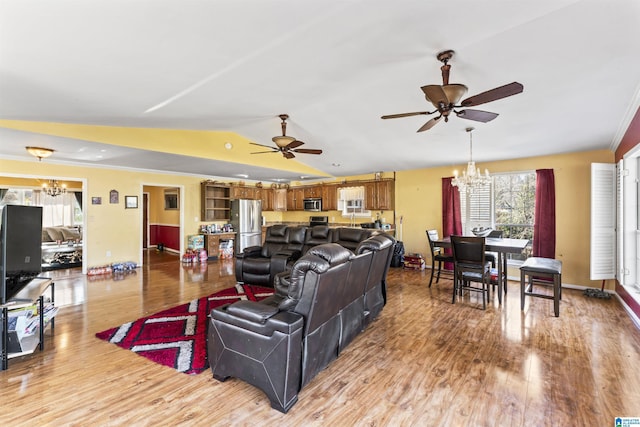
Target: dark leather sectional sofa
<point>282,342</point>
<point>258,265</point>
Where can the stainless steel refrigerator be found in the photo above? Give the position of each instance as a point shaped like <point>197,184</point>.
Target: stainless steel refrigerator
<point>246,219</point>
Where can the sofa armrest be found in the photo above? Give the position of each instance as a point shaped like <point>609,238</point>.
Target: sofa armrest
<point>290,254</point>
<point>252,312</point>
<point>250,252</point>
<point>280,321</point>
<point>281,283</point>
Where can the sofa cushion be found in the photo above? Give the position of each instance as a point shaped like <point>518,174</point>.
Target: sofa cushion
<point>45,236</point>
<point>70,233</point>
<point>55,233</point>
<point>320,231</point>
<point>278,230</point>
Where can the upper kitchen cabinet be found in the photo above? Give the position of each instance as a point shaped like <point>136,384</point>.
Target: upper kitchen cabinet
<point>295,199</point>
<point>313,192</point>
<point>380,195</point>
<point>243,192</point>
<point>329,197</point>
<point>266,195</point>
<point>279,199</point>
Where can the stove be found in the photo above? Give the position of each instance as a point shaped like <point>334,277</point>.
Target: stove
<point>318,220</point>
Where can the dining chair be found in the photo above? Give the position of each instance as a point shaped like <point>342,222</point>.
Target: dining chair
<point>491,256</point>
<point>470,267</point>
<point>437,254</point>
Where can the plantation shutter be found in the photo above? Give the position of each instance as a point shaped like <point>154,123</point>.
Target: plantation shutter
<point>603,221</point>
<point>480,205</point>
<point>475,207</point>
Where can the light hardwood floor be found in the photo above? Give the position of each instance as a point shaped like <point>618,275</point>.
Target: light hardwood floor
<point>423,362</point>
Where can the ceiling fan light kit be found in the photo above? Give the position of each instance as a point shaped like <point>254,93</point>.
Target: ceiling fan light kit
<point>287,145</point>
<point>446,98</point>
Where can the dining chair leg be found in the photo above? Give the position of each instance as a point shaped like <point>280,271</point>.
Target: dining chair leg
<point>455,286</point>
<point>439,268</point>
<point>432,268</point>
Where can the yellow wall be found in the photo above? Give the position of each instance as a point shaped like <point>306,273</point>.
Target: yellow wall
<point>157,213</point>
<point>14,182</point>
<point>419,202</point>
<point>110,228</point>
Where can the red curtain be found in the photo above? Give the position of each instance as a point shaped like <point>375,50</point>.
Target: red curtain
<point>451,214</point>
<point>544,223</point>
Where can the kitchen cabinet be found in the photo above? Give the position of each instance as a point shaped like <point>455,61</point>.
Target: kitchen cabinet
<point>379,195</point>
<point>295,199</point>
<point>329,197</point>
<point>266,195</point>
<point>243,192</point>
<point>386,193</point>
<point>279,199</point>
<point>313,192</point>
<point>215,203</point>
<point>219,245</point>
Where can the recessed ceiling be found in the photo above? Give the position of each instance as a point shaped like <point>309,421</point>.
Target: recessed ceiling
<point>230,68</point>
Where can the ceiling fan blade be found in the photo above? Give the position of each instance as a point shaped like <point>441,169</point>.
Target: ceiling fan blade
<point>431,123</point>
<point>262,152</point>
<point>308,151</point>
<point>477,115</point>
<point>396,116</point>
<point>266,146</point>
<point>294,144</point>
<point>493,94</point>
<point>288,154</point>
<point>435,95</point>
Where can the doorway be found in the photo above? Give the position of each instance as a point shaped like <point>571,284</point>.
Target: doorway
<point>162,229</point>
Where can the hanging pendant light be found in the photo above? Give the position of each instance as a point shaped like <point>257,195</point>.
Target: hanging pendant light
<point>471,178</point>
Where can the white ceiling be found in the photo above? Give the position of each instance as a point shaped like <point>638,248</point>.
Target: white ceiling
<point>335,66</point>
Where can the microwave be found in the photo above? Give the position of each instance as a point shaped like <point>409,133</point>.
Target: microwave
<point>313,204</point>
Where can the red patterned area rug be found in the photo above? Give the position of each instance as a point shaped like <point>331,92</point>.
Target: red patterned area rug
<point>177,337</point>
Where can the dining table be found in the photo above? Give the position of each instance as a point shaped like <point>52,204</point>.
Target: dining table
<point>501,246</point>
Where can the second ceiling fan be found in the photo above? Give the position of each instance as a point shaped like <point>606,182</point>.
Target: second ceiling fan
<point>287,145</point>
<point>446,98</point>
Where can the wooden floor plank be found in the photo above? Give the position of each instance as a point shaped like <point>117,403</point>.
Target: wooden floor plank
<point>424,361</point>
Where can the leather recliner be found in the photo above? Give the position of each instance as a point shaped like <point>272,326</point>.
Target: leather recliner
<point>350,238</point>
<point>257,265</point>
<point>281,343</point>
<point>375,293</point>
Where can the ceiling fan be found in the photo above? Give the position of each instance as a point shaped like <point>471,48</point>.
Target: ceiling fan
<point>446,98</point>
<point>287,145</point>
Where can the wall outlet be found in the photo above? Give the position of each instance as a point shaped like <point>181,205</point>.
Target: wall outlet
<point>108,253</point>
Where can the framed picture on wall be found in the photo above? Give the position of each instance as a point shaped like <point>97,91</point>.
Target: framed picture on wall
<point>171,199</point>
<point>96,200</point>
<point>130,202</point>
<point>114,197</point>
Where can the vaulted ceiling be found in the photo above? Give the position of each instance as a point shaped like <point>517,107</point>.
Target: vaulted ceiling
<point>166,84</point>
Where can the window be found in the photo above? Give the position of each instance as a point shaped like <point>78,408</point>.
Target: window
<point>351,202</point>
<point>507,204</point>
<point>60,210</point>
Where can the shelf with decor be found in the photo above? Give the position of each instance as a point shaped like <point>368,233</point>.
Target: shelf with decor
<point>215,202</point>
<point>25,317</point>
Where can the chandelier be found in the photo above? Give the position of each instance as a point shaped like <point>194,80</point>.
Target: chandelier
<point>54,189</point>
<point>471,178</point>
